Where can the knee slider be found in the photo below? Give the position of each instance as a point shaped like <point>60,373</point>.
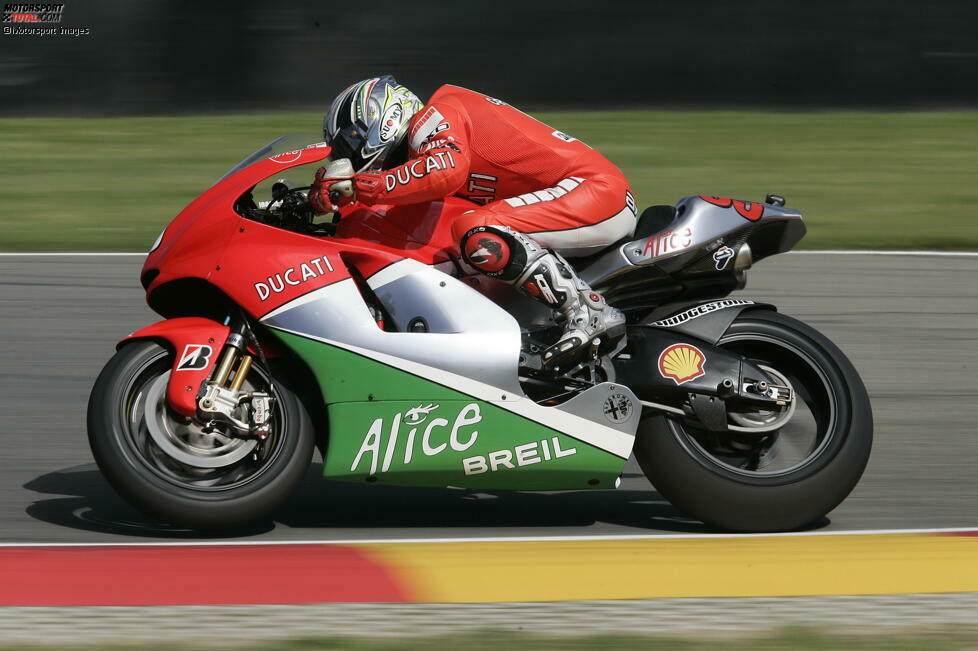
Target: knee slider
<point>499,251</point>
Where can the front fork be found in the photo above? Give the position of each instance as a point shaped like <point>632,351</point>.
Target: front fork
<point>223,402</point>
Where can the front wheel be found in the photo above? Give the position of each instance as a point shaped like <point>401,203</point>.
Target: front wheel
<point>795,466</point>
<point>174,470</point>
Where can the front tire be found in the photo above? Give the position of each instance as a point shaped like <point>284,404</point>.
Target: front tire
<point>174,471</point>
<point>737,482</point>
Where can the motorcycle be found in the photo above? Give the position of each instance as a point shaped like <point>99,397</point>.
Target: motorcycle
<point>365,336</point>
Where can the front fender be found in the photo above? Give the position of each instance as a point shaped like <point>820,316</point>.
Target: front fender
<point>196,343</point>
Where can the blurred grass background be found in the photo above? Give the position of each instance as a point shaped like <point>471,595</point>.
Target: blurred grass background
<point>862,179</point>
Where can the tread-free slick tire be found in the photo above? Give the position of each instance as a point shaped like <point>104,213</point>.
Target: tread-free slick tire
<point>786,503</point>
<point>179,505</point>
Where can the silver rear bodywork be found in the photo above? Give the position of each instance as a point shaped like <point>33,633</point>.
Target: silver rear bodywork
<point>699,229</point>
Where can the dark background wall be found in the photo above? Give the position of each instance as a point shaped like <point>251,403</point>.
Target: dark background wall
<point>159,56</point>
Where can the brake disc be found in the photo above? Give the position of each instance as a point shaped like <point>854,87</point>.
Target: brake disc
<point>188,443</point>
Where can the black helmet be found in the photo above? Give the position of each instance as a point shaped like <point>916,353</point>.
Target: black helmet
<point>368,122</point>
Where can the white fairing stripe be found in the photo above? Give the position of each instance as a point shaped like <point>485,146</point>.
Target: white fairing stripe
<point>392,272</point>
<point>588,239</point>
<point>308,297</point>
<point>604,438</point>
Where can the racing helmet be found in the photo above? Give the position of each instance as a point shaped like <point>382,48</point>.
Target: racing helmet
<point>368,123</point>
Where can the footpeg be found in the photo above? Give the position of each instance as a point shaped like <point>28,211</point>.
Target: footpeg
<point>595,344</point>
<point>562,353</point>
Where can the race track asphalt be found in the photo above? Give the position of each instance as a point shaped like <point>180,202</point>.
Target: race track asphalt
<point>907,323</point>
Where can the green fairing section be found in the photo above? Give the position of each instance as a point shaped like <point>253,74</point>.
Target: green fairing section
<point>418,433</point>
<point>347,377</point>
<point>501,450</point>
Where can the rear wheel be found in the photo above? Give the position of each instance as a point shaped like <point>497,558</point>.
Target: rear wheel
<point>171,468</point>
<point>775,470</point>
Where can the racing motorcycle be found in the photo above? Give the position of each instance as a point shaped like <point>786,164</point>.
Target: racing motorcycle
<point>363,335</point>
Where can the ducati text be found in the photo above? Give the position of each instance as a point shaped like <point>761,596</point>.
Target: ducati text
<point>293,276</point>
<point>419,167</point>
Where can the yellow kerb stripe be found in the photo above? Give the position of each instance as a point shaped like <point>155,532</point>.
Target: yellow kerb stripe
<point>695,567</point>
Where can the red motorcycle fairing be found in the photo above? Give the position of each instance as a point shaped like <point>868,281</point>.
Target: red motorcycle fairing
<point>198,236</point>
<point>422,231</point>
<point>196,344</point>
<point>261,267</point>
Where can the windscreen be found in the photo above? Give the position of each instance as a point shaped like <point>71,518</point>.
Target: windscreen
<point>280,145</point>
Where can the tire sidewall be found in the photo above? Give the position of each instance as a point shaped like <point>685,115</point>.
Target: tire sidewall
<point>130,475</point>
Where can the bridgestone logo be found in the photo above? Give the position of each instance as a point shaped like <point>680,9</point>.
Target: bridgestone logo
<point>698,311</point>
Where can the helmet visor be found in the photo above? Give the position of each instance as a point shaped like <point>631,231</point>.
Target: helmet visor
<point>349,143</point>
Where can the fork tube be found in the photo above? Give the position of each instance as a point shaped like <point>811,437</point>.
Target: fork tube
<point>241,373</point>
<point>224,368</point>
<point>234,345</point>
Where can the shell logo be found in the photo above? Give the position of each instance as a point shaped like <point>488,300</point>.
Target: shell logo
<point>681,363</point>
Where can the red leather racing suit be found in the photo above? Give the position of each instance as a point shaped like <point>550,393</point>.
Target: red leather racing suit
<point>527,176</point>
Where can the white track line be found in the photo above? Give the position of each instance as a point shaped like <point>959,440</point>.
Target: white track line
<point>377,541</point>
<point>948,254</point>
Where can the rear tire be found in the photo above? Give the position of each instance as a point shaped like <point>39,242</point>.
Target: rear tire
<point>245,481</point>
<point>701,473</point>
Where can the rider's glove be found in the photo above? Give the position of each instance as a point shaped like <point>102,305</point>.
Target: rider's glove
<point>369,186</point>
<point>333,187</point>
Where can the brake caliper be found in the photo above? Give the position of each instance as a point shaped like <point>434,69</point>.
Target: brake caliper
<point>223,402</point>
<point>248,414</point>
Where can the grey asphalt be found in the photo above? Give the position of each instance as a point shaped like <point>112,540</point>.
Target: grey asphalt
<point>907,323</point>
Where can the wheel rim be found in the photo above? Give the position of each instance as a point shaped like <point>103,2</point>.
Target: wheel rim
<point>177,450</point>
<point>800,443</point>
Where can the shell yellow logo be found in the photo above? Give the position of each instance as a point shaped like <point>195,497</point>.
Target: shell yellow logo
<point>681,363</point>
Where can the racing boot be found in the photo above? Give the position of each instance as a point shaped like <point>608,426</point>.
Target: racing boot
<point>501,252</point>
<point>588,317</point>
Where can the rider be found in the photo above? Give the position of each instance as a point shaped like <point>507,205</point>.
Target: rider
<point>539,189</point>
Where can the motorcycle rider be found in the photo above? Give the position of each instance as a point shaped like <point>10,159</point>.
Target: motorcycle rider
<point>539,190</point>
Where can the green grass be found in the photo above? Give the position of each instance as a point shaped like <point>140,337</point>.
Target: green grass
<point>789,638</point>
<point>862,180</point>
